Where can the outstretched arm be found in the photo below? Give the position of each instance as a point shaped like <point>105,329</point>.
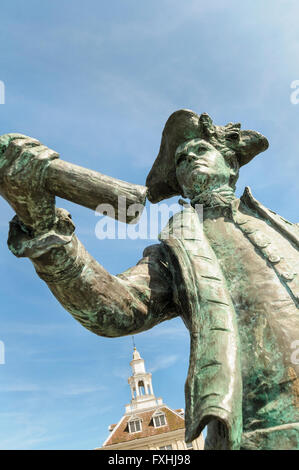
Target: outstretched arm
<point>107,305</point>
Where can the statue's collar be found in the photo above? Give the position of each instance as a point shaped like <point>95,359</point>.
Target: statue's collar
<point>218,197</point>
<point>220,202</point>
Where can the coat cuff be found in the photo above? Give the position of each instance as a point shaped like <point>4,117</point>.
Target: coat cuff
<point>22,244</point>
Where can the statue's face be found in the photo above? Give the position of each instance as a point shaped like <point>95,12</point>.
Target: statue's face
<point>200,166</point>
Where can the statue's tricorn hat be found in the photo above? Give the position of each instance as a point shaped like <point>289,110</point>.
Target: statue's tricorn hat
<point>185,125</point>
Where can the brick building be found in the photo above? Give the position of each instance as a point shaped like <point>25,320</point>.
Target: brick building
<point>148,423</point>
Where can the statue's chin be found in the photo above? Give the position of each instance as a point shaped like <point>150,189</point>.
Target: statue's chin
<point>200,181</point>
<point>203,179</point>
<point>206,184</point>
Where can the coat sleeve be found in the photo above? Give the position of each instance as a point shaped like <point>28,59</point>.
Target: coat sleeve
<point>107,305</point>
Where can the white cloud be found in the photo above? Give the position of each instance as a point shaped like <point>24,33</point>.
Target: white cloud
<point>25,440</point>
<point>122,373</point>
<point>171,332</point>
<point>34,329</point>
<point>18,387</point>
<point>72,390</point>
<point>58,389</point>
<point>164,362</point>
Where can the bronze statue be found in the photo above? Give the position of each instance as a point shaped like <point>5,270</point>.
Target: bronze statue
<point>235,283</point>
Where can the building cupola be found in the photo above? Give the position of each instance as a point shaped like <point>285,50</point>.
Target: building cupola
<point>141,386</point>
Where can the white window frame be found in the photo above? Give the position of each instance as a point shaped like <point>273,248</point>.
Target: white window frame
<point>157,416</point>
<point>132,424</point>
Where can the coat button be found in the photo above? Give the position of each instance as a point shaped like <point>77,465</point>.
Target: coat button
<point>271,254</point>
<point>273,258</point>
<point>288,276</point>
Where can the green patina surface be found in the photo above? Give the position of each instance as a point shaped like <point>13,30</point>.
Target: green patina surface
<point>232,277</point>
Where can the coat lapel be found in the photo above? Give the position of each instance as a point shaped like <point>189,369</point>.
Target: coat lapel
<point>289,230</point>
<point>285,272</point>
<point>213,387</point>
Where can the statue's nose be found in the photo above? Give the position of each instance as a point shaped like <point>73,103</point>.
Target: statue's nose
<point>191,156</point>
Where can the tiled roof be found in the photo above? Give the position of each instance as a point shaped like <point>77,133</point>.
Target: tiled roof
<point>121,431</point>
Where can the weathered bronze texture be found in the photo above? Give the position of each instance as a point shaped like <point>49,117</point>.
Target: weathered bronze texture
<point>59,178</point>
<point>91,189</point>
<point>233,277</point>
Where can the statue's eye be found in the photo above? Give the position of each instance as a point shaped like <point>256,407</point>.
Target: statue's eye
<point>232,135</point>
<point>181,159</point>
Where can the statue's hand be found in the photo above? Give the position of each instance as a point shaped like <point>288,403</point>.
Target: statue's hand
<point>23,163</point>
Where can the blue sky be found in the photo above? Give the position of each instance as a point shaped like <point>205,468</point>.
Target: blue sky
<point>96,81</point>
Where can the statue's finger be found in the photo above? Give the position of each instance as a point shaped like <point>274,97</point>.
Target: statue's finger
<point>29,148</point>
<point>19,146</point>
<point>20,143</point>
<point>7,138</point>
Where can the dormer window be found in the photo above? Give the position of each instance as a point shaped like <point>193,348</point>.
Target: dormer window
<point>134,424</point>
<point>159,419</point>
